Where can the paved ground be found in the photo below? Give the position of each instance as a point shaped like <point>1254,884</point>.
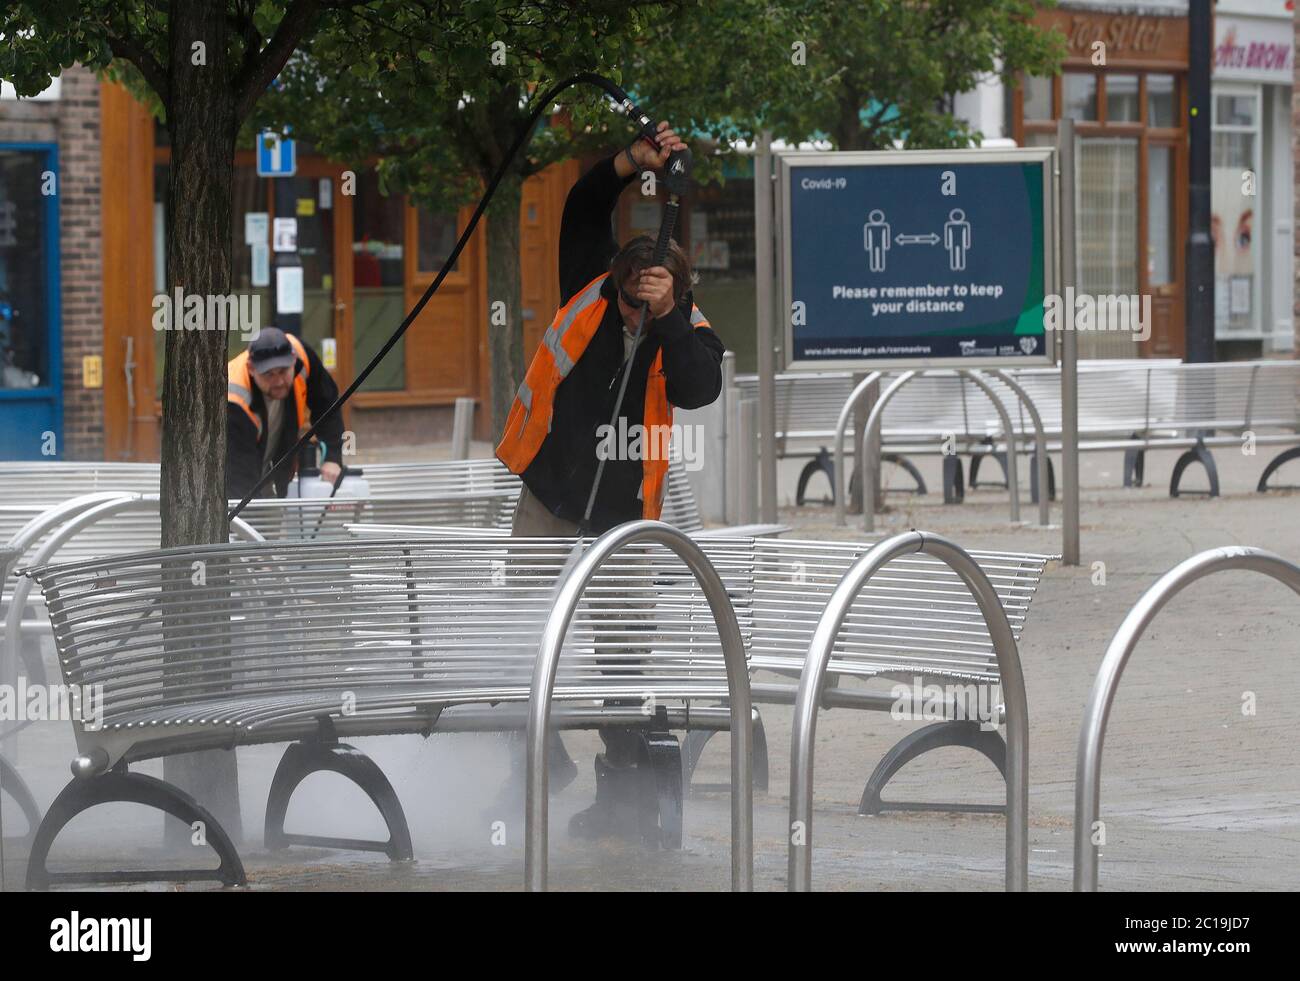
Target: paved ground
<point>1196,794</point>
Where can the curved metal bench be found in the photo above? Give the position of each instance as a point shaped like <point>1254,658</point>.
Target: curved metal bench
<point>918,623</point>
<point>313,642</point>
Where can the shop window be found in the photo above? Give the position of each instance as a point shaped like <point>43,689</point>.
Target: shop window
<point>1233,155</point>
<point>1122,99</point>
<point>1234,110</point>
<point>378,278</point>
<point>1160,215</point>
<point>721,239</point>
<point>436,236</point>
<point>250,251</point>
<point>1079,96</point>
<point>1105,217</point>
<point>302,277</point>
<point>25,310</point>
<point>1037,97</point>
<point>1160,101</point>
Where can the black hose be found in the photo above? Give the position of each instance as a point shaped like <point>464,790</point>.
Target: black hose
<point>625,104</point>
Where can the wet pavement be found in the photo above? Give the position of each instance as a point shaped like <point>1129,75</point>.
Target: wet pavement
<point>1196,794</point>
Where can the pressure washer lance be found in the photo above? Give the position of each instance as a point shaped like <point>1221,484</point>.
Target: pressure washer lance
<point>677,174</point>
<point>677,177</point>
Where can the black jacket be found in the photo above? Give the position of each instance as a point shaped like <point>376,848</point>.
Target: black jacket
<point>561,474</point>
<point>244,450</point>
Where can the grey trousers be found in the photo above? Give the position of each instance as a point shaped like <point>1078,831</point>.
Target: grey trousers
<point>533,519</point>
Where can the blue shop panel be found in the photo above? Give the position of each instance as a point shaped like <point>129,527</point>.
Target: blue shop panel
<point>31,377</point>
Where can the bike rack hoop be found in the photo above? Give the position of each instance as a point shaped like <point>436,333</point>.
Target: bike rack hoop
<point>570,591</point>
<point>1087,781</point>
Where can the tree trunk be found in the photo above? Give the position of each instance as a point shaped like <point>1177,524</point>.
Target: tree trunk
<point>202,125</point>
<point>505,340</point>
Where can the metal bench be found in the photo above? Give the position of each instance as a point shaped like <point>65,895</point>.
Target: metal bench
<point>109,523</point>
<point>808,405</point>
<point>1132,407</point>
<point>918,623</point>
<point>312,642</point>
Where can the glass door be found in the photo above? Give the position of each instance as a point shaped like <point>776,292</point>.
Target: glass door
<point>31,387</point>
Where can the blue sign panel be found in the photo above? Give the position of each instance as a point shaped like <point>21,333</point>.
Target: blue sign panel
<point>917,257</point>
<point>276,155</point>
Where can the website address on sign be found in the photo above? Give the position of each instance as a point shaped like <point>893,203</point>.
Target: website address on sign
<point>865,351</point>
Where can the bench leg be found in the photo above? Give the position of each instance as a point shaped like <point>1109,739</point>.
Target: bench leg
<point>697,739</point>
<point>977,458</point>
<point>121,786</point>
<point>1198,453</point>
<point>934,736</point>
<point>910,467</point>
<point>659,767</point>
<point>1135,462</point>
<point>303,759</point>
<point>1277,461</point>
<point>954,491</point>
<point>1033,477</point>
<point>12,783</point>
<point>822,463</point>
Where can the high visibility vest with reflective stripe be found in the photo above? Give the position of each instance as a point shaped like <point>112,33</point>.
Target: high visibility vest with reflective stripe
<point>239,385</point>
<point>529,421</point>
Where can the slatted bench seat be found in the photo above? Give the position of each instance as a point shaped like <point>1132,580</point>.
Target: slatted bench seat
<point>1128,407</point>
<point>917,623</point>
<point>312,642</point>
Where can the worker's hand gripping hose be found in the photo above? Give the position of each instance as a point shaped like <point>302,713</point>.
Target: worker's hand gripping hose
<point>626,106</point>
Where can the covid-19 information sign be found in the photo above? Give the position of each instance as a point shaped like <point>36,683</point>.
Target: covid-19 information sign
<point>916,258</point>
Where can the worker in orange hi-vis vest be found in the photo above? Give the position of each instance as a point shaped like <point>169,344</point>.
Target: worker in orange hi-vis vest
<point>558,430</point>
<point>275,389</point>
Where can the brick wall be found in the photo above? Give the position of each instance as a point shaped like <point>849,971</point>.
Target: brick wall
<point>80,270</point>
<point>72,121</point>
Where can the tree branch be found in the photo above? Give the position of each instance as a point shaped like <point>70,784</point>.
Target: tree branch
<point>260,73</point>
<point>128,50</point>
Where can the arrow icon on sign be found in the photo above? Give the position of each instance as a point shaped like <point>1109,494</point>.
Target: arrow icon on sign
<point>930,239</point>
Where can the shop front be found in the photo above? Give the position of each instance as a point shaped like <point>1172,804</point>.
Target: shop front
<point>1251,175</point>
<point>1124,83</point>
<point>321,253</point>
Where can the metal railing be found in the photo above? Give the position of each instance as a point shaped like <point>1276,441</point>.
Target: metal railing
<point>813,680</point>
<point>1087,782</point>
<point>570,591</point>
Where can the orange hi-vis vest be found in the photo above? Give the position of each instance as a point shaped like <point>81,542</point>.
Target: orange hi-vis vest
<point>239,385</point>
<point>529,421</point>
